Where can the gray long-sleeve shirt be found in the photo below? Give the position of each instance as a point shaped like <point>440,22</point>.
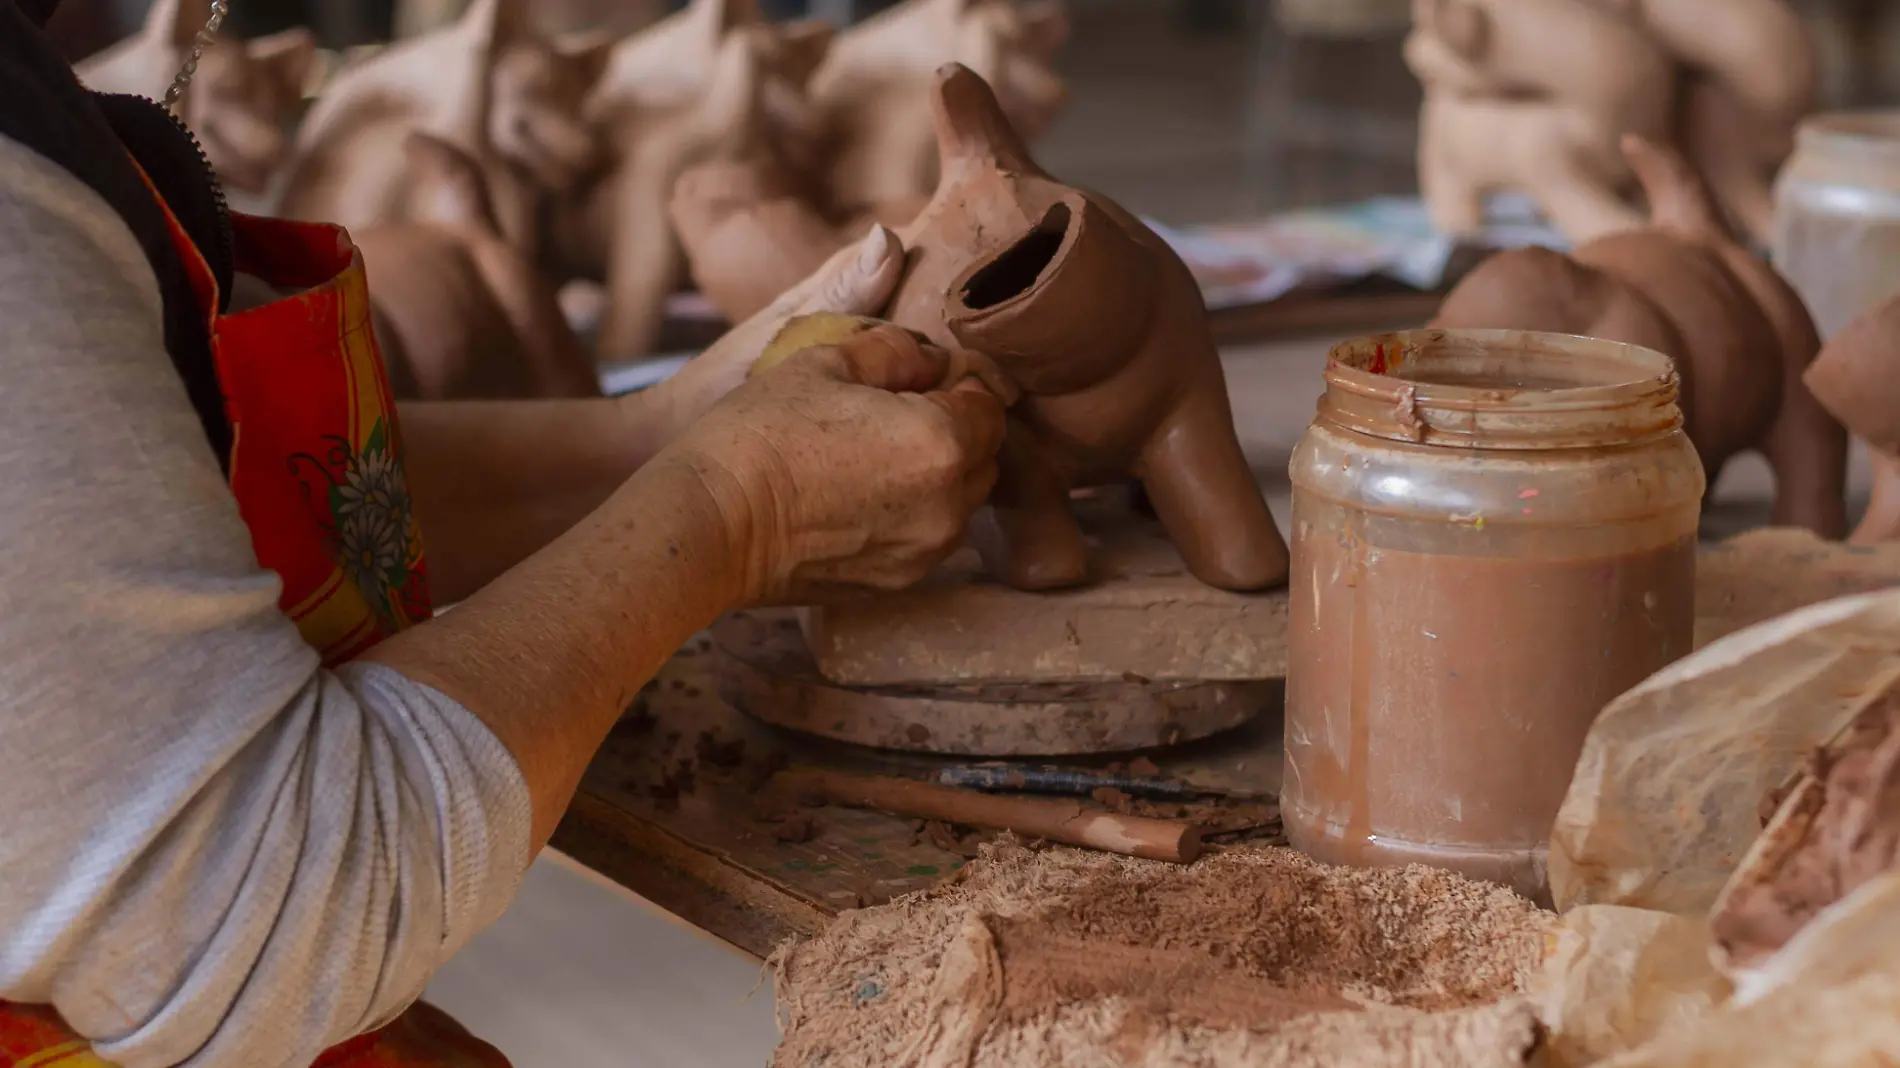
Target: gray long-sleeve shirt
<point>212,850</point>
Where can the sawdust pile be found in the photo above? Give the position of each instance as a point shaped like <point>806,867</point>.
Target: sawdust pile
<point>1250,957</point>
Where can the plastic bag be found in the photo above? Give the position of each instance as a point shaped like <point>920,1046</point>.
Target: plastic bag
<point>1616,977</point>
<point>1668,791</point>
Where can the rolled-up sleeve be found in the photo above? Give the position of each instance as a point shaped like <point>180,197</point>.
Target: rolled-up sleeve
<point>213,851</point>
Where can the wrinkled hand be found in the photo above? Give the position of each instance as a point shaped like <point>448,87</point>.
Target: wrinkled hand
<point>858,280</point>
<point>832,471</point>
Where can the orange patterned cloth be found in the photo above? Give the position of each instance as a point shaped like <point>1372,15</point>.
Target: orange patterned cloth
<point>316,466</point>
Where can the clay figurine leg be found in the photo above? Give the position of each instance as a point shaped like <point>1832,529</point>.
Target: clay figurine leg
<point>1206,496</point>
<point>644,266</point>
<point>1882,521</point>
<point>1027,536</point>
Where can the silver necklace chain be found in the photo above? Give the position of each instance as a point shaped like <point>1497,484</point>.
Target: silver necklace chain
<point>206,34</point>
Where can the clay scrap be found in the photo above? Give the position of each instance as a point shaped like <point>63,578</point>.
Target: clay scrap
<point>243,100</point>
<point>1740,336</point>
<point>1255,957</point>
<point>1837,829</point>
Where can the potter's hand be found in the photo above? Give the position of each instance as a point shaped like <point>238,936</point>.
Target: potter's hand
<point>858,280</point>
<point>833,472</point>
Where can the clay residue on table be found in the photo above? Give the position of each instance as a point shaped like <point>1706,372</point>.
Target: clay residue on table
<point>1843,830</point>
<point>1249,957</point>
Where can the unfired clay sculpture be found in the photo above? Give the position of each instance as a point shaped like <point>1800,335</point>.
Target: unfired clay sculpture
<point>243,100</point>
<point>1854,378</point>
<point>1532,95</point>
<point>616,230</point>
<point>458,311</point>
<point>1740,336</point>
<point>487,84</point>
<point>1102,328</point>
<point>875,88</point>
<point>1752,74</point>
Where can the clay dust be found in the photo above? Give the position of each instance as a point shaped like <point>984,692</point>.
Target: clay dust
<point>1257,957</point>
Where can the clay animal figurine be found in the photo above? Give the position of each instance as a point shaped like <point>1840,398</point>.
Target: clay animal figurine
<point>875,88</point>
<point>241,104</point>
<point>751,231</point>
<point>1100,326</point>
<point>458,311</point>
<point>1752,74</point>
<point>1740,336</point>
<point>617,230</point>
<point>1854,379</point>
<point>1532,95</point>
<point>488,84</point>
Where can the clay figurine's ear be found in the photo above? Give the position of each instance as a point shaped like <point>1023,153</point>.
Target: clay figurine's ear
<point>720,17</point>
<point>1460,24</point>
<point>1678,200</point>
<point>734,93</point>
<point>803,46</point>
<point>971,127</point>
<point>587,53</point>
<point>286,58</point>
<point>1045,28</point>
<point>445,184</point>
<point>496,23</point>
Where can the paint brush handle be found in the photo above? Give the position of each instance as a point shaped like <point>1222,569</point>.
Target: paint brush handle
<point>1066,821</point>
<point>1070,781</point>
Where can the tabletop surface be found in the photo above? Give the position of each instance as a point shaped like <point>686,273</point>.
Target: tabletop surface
<point>672,808</point>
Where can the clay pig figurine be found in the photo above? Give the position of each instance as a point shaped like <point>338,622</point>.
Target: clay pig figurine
<point>1855,378</point>
<point>874,88</point>
<point>489,84</point>
<point>1100,326</point>
<point>242,102</point>
<point>1739,335</point>
<point>458,311</point>
<point>616,229</point>
<point>1532,95</point>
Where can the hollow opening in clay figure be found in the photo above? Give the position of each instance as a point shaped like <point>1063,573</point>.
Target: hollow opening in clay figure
<point>1017,267</point>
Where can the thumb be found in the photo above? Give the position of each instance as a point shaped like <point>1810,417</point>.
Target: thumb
<point>891,358</point>
<point>859,279</point>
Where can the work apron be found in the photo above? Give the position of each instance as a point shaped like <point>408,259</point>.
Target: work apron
<point>316,466</point>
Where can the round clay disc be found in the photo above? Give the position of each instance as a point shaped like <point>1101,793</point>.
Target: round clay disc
<point>768,674</point>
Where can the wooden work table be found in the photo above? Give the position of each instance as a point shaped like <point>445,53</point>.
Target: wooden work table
<point>695,845</point>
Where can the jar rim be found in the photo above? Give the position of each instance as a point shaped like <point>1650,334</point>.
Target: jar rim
<point>1501,389</point>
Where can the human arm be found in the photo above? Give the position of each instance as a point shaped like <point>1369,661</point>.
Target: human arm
<point>496,480</point>
<point>216,851</point>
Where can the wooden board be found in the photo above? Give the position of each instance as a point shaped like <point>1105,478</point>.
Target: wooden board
<point>768,674</point>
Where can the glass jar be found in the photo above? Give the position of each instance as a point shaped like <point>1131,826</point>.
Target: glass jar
<point>1494,534</point>
<point>1837,215</point>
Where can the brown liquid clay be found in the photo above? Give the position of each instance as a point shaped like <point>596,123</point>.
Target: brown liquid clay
<point>1102,327</point>
<point>1740,337</point>
<point>244,97</point>
<point>1249,957</point>
<point>1854,379</point>
<point>457,311</point>
<point>488,84</point>
<point>1483,563</point>
<point>1838,829</point>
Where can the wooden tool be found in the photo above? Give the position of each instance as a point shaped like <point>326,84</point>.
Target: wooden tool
<point>1065,821</point>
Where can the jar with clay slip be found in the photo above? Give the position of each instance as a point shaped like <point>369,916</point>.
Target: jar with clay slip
<point>1837,215</point>
<point>1494,535</point>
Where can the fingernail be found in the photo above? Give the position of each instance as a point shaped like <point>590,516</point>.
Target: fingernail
<point>875,247</point>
